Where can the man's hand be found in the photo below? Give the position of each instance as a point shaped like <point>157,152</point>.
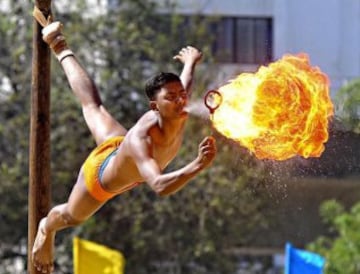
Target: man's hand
<point>207,151</point>
<point>188,55</point>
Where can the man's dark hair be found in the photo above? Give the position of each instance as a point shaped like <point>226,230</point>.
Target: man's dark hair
<point>154,84</point>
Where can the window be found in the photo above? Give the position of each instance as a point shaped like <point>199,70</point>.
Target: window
<point>243,40</point>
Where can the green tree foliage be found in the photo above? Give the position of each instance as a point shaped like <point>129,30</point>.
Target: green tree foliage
<point>15,73</point>
<point>347,105</point>
<point>341,247</point>
<point>192,231</point>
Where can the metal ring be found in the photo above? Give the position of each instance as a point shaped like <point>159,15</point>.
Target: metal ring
<point>212,93</point>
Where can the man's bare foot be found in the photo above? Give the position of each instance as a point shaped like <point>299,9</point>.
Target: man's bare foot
<point>43,249</point>
<point>53,36</point>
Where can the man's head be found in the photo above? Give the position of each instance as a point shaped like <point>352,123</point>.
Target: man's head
<point>167,95</point>
<point>154,84</point>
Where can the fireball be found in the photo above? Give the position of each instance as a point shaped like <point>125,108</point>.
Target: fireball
<point>281,111</point>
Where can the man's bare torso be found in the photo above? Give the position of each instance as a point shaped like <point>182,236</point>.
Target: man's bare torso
<point>162,147</point>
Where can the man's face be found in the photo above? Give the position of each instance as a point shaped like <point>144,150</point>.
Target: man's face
<point>171,100</point>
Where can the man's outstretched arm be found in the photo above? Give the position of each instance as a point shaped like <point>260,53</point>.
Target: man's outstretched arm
<point>168,183</point>
<point>189,56</point>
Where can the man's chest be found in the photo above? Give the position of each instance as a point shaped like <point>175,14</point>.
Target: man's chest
<point>165,154</point>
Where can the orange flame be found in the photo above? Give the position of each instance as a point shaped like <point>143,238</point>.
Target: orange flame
<point>280,111</point>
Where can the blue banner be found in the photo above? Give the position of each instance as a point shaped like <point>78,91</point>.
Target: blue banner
<point>298,261</point>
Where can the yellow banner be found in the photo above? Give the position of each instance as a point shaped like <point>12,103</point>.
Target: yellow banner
<point>92,258</point>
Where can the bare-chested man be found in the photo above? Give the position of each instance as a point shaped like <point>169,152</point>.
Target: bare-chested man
<point>123,158</point>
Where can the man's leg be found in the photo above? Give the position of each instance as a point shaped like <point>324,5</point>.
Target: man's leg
<point>79,208</point>
<point>101,124</point>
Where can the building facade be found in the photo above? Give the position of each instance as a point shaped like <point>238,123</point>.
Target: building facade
<point>327,30</point>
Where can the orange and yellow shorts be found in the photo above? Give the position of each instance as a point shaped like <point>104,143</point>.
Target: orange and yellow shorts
<point>94,166</point>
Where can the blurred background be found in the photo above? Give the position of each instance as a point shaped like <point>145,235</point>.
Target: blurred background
<point>236,216</point>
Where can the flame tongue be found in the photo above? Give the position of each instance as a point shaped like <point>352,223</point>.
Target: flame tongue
<point>279,112</point>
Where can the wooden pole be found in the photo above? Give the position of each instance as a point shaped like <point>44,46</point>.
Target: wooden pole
<point>39,152</point>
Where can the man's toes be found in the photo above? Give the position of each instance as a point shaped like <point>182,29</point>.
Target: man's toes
<point>38,267</point>
<point>49,268</point>
<point>43,268</point>
<point>35,262</point>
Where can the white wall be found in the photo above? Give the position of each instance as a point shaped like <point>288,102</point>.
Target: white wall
<point>227,7</point>
<point>328,30</point>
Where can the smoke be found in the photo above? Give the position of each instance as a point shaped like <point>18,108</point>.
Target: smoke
<point>198,109</point>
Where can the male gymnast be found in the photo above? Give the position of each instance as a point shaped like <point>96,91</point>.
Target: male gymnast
<point>123,158</point>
